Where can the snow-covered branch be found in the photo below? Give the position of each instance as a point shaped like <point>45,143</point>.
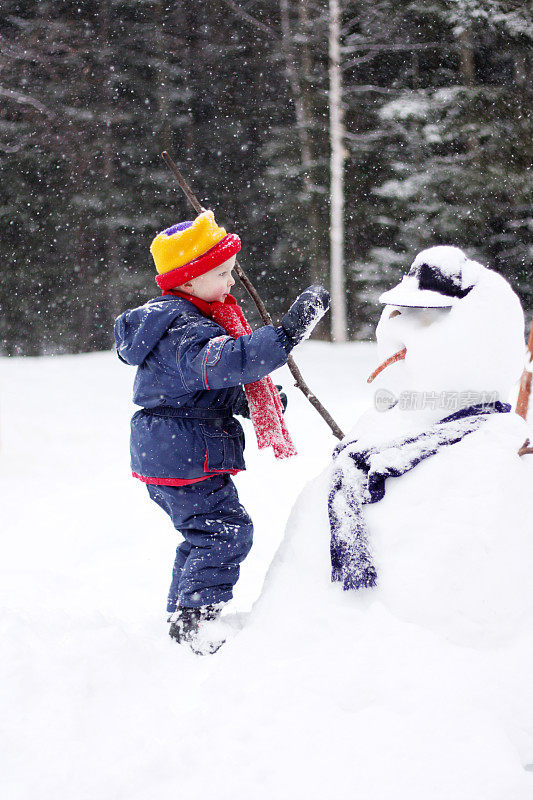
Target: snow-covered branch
<point>25,99</point>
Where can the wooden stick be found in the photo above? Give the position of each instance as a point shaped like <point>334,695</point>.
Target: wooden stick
<point>526,450</point>
<point>522,404</point>
<point>265,316</point>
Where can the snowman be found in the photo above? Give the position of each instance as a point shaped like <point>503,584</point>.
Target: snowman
<point>451,340</point>
<point>390,653</point>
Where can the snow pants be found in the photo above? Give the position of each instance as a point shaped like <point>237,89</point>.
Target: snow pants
<point>218,536</point>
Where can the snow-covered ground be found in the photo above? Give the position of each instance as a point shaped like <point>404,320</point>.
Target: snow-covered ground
<point>92,688</point>
<point>97,702</point>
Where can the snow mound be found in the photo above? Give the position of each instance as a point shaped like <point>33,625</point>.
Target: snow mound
<point>419,689</point>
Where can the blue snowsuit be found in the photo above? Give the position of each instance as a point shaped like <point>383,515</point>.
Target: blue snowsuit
<point>189,379</point>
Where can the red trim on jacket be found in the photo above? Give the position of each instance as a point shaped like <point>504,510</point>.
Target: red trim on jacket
<point>184,481</point>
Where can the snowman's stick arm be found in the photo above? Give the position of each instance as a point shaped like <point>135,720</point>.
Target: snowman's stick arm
<point>265,316</point>
<point>525,450</point>
<point>522,403</point>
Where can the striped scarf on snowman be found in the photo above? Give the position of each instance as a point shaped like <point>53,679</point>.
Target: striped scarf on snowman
<point>359,476</point>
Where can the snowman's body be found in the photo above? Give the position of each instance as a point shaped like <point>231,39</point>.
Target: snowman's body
<point>453,538</point>
<point>420,687</point>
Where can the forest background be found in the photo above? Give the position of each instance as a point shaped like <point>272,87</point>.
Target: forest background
<point>437,111</point>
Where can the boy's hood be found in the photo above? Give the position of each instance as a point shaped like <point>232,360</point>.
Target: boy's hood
<point>138,330</point>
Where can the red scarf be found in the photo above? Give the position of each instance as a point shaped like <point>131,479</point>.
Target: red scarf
<point>266,410</point>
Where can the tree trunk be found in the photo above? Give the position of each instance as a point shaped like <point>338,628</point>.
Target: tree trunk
<point>336,131</point>
<point>110,246</point>
<point>319,262</point>
<point>466,58</point>
<point>162,76</point>
<point>415,70</point>
<point>300,97</point>
<point>468,75</point>
<point>302,122</point>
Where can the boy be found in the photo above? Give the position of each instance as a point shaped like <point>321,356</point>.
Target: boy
<point>185,442</point>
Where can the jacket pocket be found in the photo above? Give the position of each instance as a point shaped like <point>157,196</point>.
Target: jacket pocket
<point>224,445</point>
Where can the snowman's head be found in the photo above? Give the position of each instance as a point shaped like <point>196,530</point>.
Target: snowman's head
<point>451,327</point>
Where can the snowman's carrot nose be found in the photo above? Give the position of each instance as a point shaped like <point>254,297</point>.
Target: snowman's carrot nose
<point>396,357</point>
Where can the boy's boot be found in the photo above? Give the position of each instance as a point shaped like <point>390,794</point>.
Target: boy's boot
<point>185,627</point>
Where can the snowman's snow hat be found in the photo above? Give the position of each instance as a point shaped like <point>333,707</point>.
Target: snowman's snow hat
<point>439,277</point>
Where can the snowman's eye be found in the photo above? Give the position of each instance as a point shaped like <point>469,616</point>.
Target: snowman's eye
<point>394,313</point>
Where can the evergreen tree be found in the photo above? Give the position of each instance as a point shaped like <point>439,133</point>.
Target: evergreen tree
<point>452,139</point>
<point>438,143</point>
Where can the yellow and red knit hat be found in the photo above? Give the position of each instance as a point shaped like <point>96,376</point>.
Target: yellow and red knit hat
<point>189,249</point>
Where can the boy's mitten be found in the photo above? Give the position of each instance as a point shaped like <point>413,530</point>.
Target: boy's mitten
<point>282,397</point>
<point>306,312</point>
<point>242,408</point>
